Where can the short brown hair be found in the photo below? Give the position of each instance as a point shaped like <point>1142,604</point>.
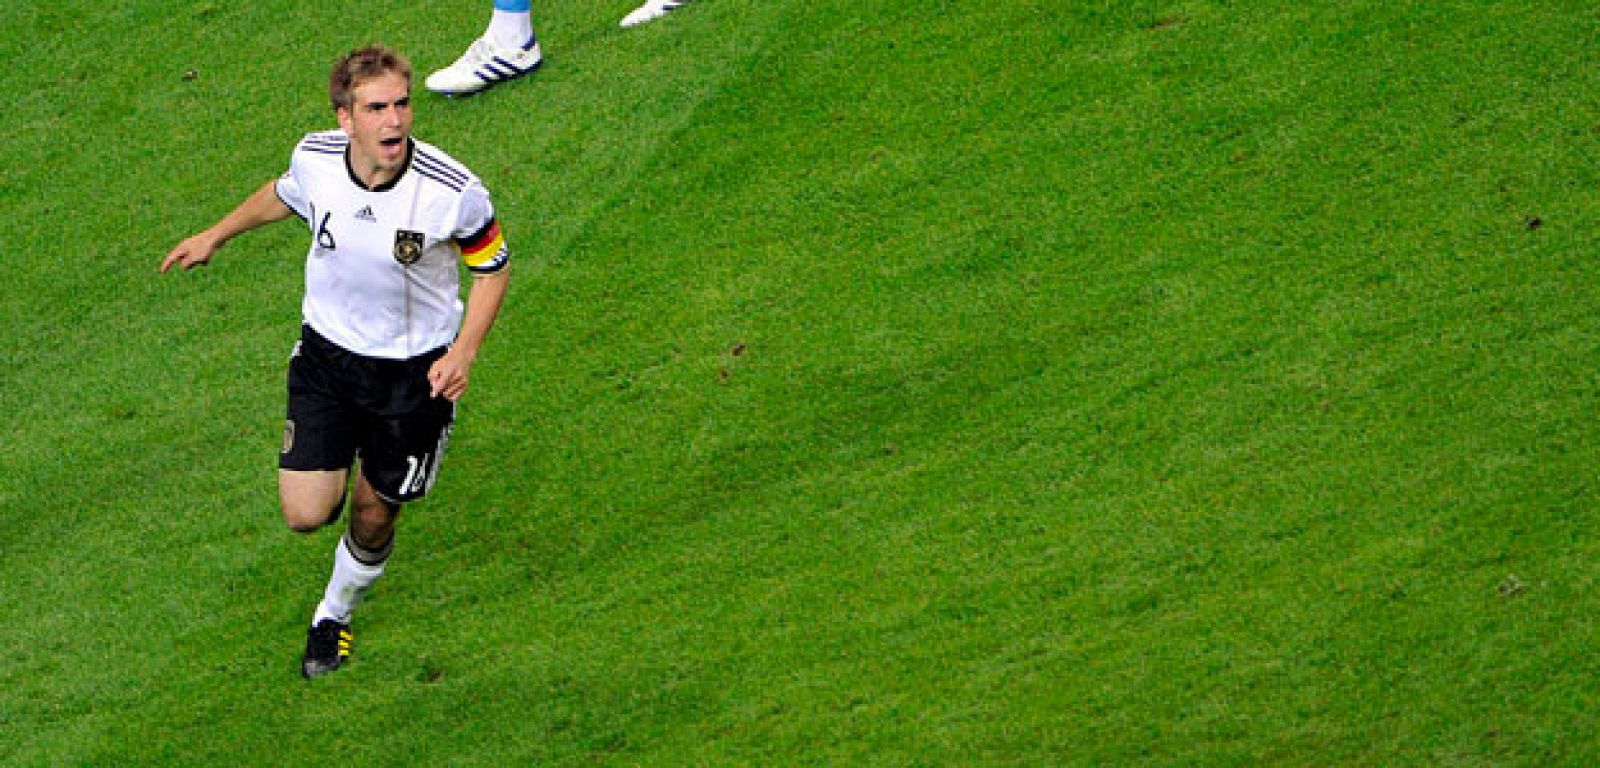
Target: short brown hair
<point>359,66</point>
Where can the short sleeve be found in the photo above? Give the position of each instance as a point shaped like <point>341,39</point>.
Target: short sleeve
<point>477,231</point>
<point>292,193</point>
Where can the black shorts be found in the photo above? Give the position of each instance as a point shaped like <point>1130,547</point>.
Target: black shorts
<point>343,405</point>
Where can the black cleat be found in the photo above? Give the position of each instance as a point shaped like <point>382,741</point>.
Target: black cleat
<point>327,646</point>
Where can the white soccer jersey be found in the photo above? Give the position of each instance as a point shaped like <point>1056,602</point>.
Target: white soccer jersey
<point>381,274</point>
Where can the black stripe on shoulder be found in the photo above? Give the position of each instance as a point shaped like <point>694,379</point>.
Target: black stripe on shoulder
<point>454,185</point>
<point>324,143</point>
<point>442,167</point>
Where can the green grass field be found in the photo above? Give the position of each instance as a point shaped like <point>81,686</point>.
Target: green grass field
<point>1025,382</point>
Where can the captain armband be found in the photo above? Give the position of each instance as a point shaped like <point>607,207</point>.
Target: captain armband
<point>485,251</point>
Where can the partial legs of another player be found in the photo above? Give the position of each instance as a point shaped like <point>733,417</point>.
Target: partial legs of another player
<point>507,50</point>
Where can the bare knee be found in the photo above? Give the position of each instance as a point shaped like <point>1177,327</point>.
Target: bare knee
<point>310,500</point>
<point>306,519</point>
<point>372,518</point>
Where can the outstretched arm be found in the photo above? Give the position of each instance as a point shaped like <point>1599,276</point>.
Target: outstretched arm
<point>260,208</point>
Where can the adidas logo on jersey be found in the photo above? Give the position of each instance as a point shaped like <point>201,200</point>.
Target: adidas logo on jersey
<point>365,214</point>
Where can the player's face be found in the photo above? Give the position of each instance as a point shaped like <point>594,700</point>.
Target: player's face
<point>378,122</point>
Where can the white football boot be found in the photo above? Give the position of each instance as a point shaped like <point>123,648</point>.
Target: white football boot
<point>651,10</point>
<point>485,64</point>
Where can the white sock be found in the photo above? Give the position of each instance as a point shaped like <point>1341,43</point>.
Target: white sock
<point>510,29</point>
<point>349,582</point>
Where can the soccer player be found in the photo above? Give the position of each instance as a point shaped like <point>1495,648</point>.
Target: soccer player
<point>508,49</point>
<point>386,345</point>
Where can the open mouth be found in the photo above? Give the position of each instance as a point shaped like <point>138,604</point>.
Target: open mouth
<point>393,141</point>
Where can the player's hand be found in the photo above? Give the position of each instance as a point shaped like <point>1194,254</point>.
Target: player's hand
<point>191,253</point>
<point>447,377</point>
